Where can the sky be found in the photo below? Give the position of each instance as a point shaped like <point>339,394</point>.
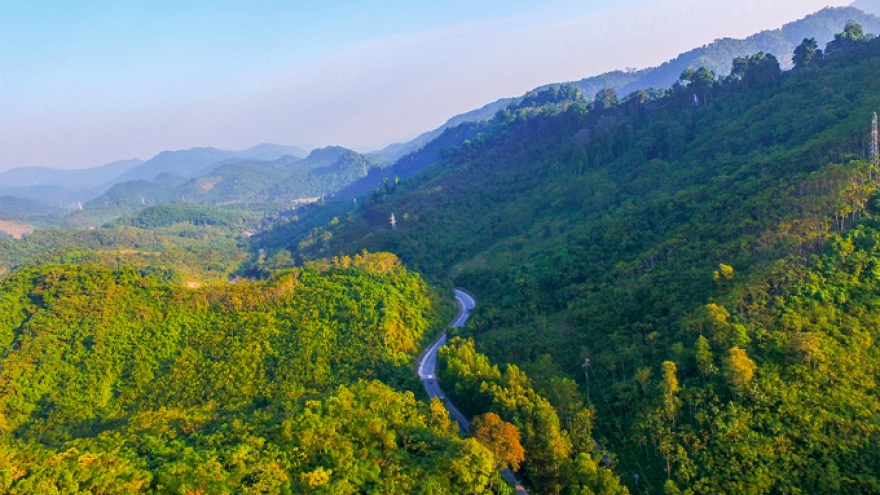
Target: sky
<point>89,82</point>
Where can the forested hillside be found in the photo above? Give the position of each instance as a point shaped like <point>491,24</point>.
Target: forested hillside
<point>111,382</point>
<point>701,262</point>
<point>182,242</point>
<point>716,56</point>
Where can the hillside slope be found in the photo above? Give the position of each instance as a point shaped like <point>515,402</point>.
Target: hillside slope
<point>276,387</point>
<point>324,172</point>
<point>706,272</point>
<point>716,56</point>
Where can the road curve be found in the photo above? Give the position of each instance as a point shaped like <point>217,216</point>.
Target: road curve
<point>427,370</point>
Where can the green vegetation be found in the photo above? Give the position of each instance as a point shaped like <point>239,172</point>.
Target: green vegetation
<point>680,289</point>
<point>182,251</point>
<point>116,383</point>
<point>559,453</point>
<point>701,263</point>
<point>177,242</point>
<point>29,211</point>
<point>168,214</point>
<point>717,56</point>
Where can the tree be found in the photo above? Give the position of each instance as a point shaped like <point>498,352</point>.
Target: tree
<point>698,82</point>
<point>739,68</point>
<point>739,369</point>
<point>703,354</point>
<point>440,421</point>
<point>669,389</point>
<point>501,438</point>
<point>852,34</point>
<point>761,69</point>
<point>724,272</point>
<point>852,31</point>
<point>687,76</point>
<point>807,54</point>
<point>606,98</point>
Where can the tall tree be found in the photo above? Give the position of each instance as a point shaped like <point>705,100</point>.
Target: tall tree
<point>501,438</point>
<point>606,98</point>
<point>807,54</point>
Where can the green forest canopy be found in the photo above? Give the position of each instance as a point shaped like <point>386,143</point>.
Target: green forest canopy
<point>116,383</point>
<point>701,263</point>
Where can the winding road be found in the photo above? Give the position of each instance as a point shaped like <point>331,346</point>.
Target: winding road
<point>427,369</point>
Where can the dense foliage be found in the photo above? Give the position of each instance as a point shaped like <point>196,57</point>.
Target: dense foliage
<point>197,253</point>
<point>680,286</point>
<point>168,214</point>
<point>603,239</point>
<point>115,383</point>
<point>559,453</point>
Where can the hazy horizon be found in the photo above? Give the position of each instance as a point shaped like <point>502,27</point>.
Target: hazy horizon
<point>81,87</point>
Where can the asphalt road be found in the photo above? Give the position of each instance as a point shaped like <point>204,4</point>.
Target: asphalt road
<point>427,369</point>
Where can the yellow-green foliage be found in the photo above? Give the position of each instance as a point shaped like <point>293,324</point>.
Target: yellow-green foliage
<point>115,383</point>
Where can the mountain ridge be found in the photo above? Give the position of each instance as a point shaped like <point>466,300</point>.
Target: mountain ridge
<point>717,56</point>
<point>698,274</point>
<point>51,186</point>
<point>320,173</point>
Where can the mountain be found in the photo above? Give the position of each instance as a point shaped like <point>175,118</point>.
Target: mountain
<point>59,187</point>
<point>868,6</point>
<point>12,208</point>
<point>700,279</point>
<point>62,187</point>
<point>53,196</point>
<point>268,151</point>
<point>413,162</point>
<point>396,151</point>
<point>323,172</point>
<point>198,161</point>
<point>678,292</point>
<point>69,179</point>
<point>717,56</point>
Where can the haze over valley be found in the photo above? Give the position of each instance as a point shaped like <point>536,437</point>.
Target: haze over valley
<point>569,277</point>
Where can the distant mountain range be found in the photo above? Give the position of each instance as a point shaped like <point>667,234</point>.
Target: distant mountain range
<point>60,187</point>
<point>323,172</point>
<point>27,210</point>
<point>198,161</point>
<point>718,55</point>
<point>398,150</point>
<point>270,171</point>
<point>72,179</point>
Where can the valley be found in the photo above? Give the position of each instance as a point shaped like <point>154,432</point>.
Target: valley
<point>659,281</point>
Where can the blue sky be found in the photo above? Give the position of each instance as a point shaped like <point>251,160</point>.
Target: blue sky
<point>84,83</point>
